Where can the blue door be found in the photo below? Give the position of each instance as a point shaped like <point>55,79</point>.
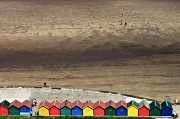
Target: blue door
<point>76,111</point>
<point>25,110</point>
<point>121,111</point>
<point>167,111</point>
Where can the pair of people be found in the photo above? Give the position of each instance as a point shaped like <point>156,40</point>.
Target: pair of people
<point>121,22</point>
<point>34,102</point>
<point>174,115</point>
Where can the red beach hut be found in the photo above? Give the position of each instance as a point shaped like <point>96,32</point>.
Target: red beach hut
<point>54,109</point>
<point>99,108</point>
<point>144,108</point>
<point>4,105</point>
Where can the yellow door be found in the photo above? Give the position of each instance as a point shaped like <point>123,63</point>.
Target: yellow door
<point>87,111</point>
<point>132,111</point>
<point>43,111</point>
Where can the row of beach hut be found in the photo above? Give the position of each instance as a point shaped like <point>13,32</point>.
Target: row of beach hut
<point>109,108</point>
<point>16,108</point>
<point>88,108</point>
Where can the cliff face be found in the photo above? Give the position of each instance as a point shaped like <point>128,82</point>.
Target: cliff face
<point>67,31</point>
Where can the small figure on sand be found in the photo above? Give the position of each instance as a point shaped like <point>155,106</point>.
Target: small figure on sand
<point>122,13</point>
<point>174,114</point>
<point>121,22</point>
<point>125,23</point>
<point>34,102</point>
<point>176,102</point>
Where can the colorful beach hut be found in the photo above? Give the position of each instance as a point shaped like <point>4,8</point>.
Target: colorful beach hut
<point>43,108</point>
<point>4,105</point>
<point>99,108</point>
<point>144,108</point>
<point>110,108</point>
<point>14,108</point>
<point>155,108</point>
<point>26,108</point>
<point>132,108</point>
<point>76,108</point>
<point>66,108</point>
<point>166,108</point>
<point>54,108</point>
<point>88,108</point>
<point>121,108</point>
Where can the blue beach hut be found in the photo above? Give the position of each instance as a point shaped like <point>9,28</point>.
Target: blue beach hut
<point>166,108</point>
<point>26,108</point>
<point>77,108</point>
<point>121,108</point>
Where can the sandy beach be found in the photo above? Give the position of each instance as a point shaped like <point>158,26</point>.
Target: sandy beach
<point>81,44</point>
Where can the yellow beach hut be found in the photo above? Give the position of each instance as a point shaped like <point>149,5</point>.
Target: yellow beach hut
<point>132,108</point>
<point>43,108</point>
<point>88,108</point>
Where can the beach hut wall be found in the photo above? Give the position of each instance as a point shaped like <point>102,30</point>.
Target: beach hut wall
<point>99,108</point>
<point>4,105</point>
<point>54,108</point>
<point>14,108</point>
<point>121,108</point>
<point>43,108</point>
<point>144,108</point>
<point>26,108</point>
<point>66,108</point>
<point>166,108</point>
<point>132,108</point>
<point>88,108</point>
<point>155,108</point>
<point>76,108</point>
<point>110,108</point>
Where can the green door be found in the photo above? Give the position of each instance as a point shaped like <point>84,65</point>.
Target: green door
<point>155,112</point>
<point>110,111</point>
<point>65,111</point>
<point>14,111</point>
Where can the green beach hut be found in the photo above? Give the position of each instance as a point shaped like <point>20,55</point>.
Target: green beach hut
<point>66,108</point>
<point>110,108</point>
<point>155,108</point>
<point>14,108</point>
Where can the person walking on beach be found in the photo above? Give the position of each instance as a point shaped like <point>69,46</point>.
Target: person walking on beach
<point>122,14</point>
<point>121,21</point>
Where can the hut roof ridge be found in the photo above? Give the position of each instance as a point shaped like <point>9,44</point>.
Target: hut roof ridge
<point>5,103</point>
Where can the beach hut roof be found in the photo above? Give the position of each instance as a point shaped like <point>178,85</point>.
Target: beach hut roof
<point>45,104</point>
<point>154,104</point>
<point>15,103</point>
<point>88,103</point>
<point>133,103</point>
<point>26,103</point>
<point>110,103</point>
<point>66,103</point>
<point>99,104</point>
<point>5,103</point>
<point>77,103</point>
<point>121,103</point>
<point>144,104</point>
<point>56,104</point>
<point>166,104</point>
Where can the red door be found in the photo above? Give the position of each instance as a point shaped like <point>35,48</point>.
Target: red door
<point>3,110</point>
<point>98,111</point>
<point>143,111</point>
<point>54,111</point>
